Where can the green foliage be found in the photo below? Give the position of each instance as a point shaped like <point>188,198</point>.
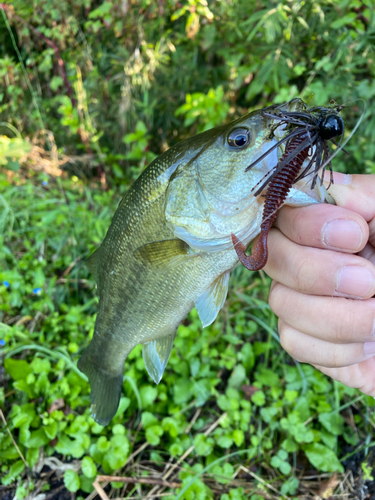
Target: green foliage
<point>12,149</point>
<point>209,109</point>
<point>323,458</point>
<point>71,481</point>
<point>161,72</point>
<point>367,471</point>
<point>49,410</point>
<point>205,63</point>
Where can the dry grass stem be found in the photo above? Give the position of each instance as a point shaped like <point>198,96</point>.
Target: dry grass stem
<point>138,480</point>
<point>187,452</point>
<point>12,438</point>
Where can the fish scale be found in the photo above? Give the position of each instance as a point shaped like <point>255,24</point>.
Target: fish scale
<point>169,248</point>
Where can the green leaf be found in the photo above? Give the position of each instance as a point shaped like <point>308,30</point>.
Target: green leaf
<point>322,458</point>
<point>51,430</point>
<point>71,481</point>
<point>225,441</point>
<point>21,493</point>
<point>333,422</point>
<point>103,444</point>
<point>123,406</point>
<point>17,369</point>
<point>148,395</point>
<point>203,444</point>
<point>67,446</point>
<point>343,20</point>
<point>170,425</point>
<point>267,377</point>
<point>55,83</point>
<point>329,439</point>
<point>118,429</point>
<point>88,467</point>
<point>247,356</point>
<point>258,398</point>
<point>223,474</point>
<point>25,415</point>
<point>42,385</point>
<point>32,456</point>
<point>15,470</point>
<point>9,454</point>
<point>237,377</point>
<point>120,441</point>
<point>148,419</point>
<point>153,434</point>
<point>116,458</point>
<point>238,437</point>
<point>40,365</point>
<point>37,439</point>
<point>290,486</point>
<point>86,484</point>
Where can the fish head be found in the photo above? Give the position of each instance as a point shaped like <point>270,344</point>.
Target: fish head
<point>221,167</point>
<point>211,195</point>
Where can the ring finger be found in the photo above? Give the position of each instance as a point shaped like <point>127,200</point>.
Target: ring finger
<point>307,349</point>
<point>339,320</point>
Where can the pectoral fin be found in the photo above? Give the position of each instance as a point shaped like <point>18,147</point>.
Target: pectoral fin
<point>164,255</point>
<point>212,300</point>
<point>156,354</point>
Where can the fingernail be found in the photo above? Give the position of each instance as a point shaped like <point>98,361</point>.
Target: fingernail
<point>342,234</point>
<point>369,349</point>
<point>356,281</point>
<point>338,177</point>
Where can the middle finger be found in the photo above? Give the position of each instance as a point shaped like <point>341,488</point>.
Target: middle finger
<point>318,272</point>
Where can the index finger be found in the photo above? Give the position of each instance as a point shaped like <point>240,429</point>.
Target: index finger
<point>324,226</point>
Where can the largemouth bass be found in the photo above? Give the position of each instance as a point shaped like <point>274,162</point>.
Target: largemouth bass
<point>169,246</point>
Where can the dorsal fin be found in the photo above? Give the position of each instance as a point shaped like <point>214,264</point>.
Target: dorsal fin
<point>92,263</point>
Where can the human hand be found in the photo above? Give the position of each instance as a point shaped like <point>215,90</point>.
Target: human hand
<point>322,292</point>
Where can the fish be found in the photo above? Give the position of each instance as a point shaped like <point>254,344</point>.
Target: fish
<point>169,247</point>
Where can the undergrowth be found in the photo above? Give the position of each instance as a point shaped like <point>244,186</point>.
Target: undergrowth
<point>230,394</point>
<point>91,92</point>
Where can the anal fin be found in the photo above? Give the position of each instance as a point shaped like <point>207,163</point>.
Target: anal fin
<point>156,354</point>
<point>212,300</point>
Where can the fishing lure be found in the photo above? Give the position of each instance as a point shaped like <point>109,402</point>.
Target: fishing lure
<point>310,133</point>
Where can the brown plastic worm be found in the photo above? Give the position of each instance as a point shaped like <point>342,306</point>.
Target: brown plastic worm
<point>277,192</point>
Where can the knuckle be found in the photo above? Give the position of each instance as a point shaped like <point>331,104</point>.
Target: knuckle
<point>274,297</point>
<point>297,223</point>
<point>344,324</point>
<point>304,274</point>
<point>285,339</point>
<point>355,325</point>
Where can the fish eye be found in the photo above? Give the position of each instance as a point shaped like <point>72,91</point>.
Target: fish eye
<point>239,138</point>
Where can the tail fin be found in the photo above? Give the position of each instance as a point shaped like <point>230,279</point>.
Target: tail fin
<point>105,387</point>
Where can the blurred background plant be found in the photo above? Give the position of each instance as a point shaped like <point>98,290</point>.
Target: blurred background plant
<point>91,92</point>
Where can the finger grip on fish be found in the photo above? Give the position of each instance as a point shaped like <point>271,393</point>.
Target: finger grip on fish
<point>186,222</point>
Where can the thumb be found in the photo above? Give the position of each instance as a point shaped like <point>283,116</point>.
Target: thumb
<point>354,192</point>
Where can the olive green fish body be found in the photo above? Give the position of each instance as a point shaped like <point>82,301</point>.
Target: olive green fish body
<point>169,248</point>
